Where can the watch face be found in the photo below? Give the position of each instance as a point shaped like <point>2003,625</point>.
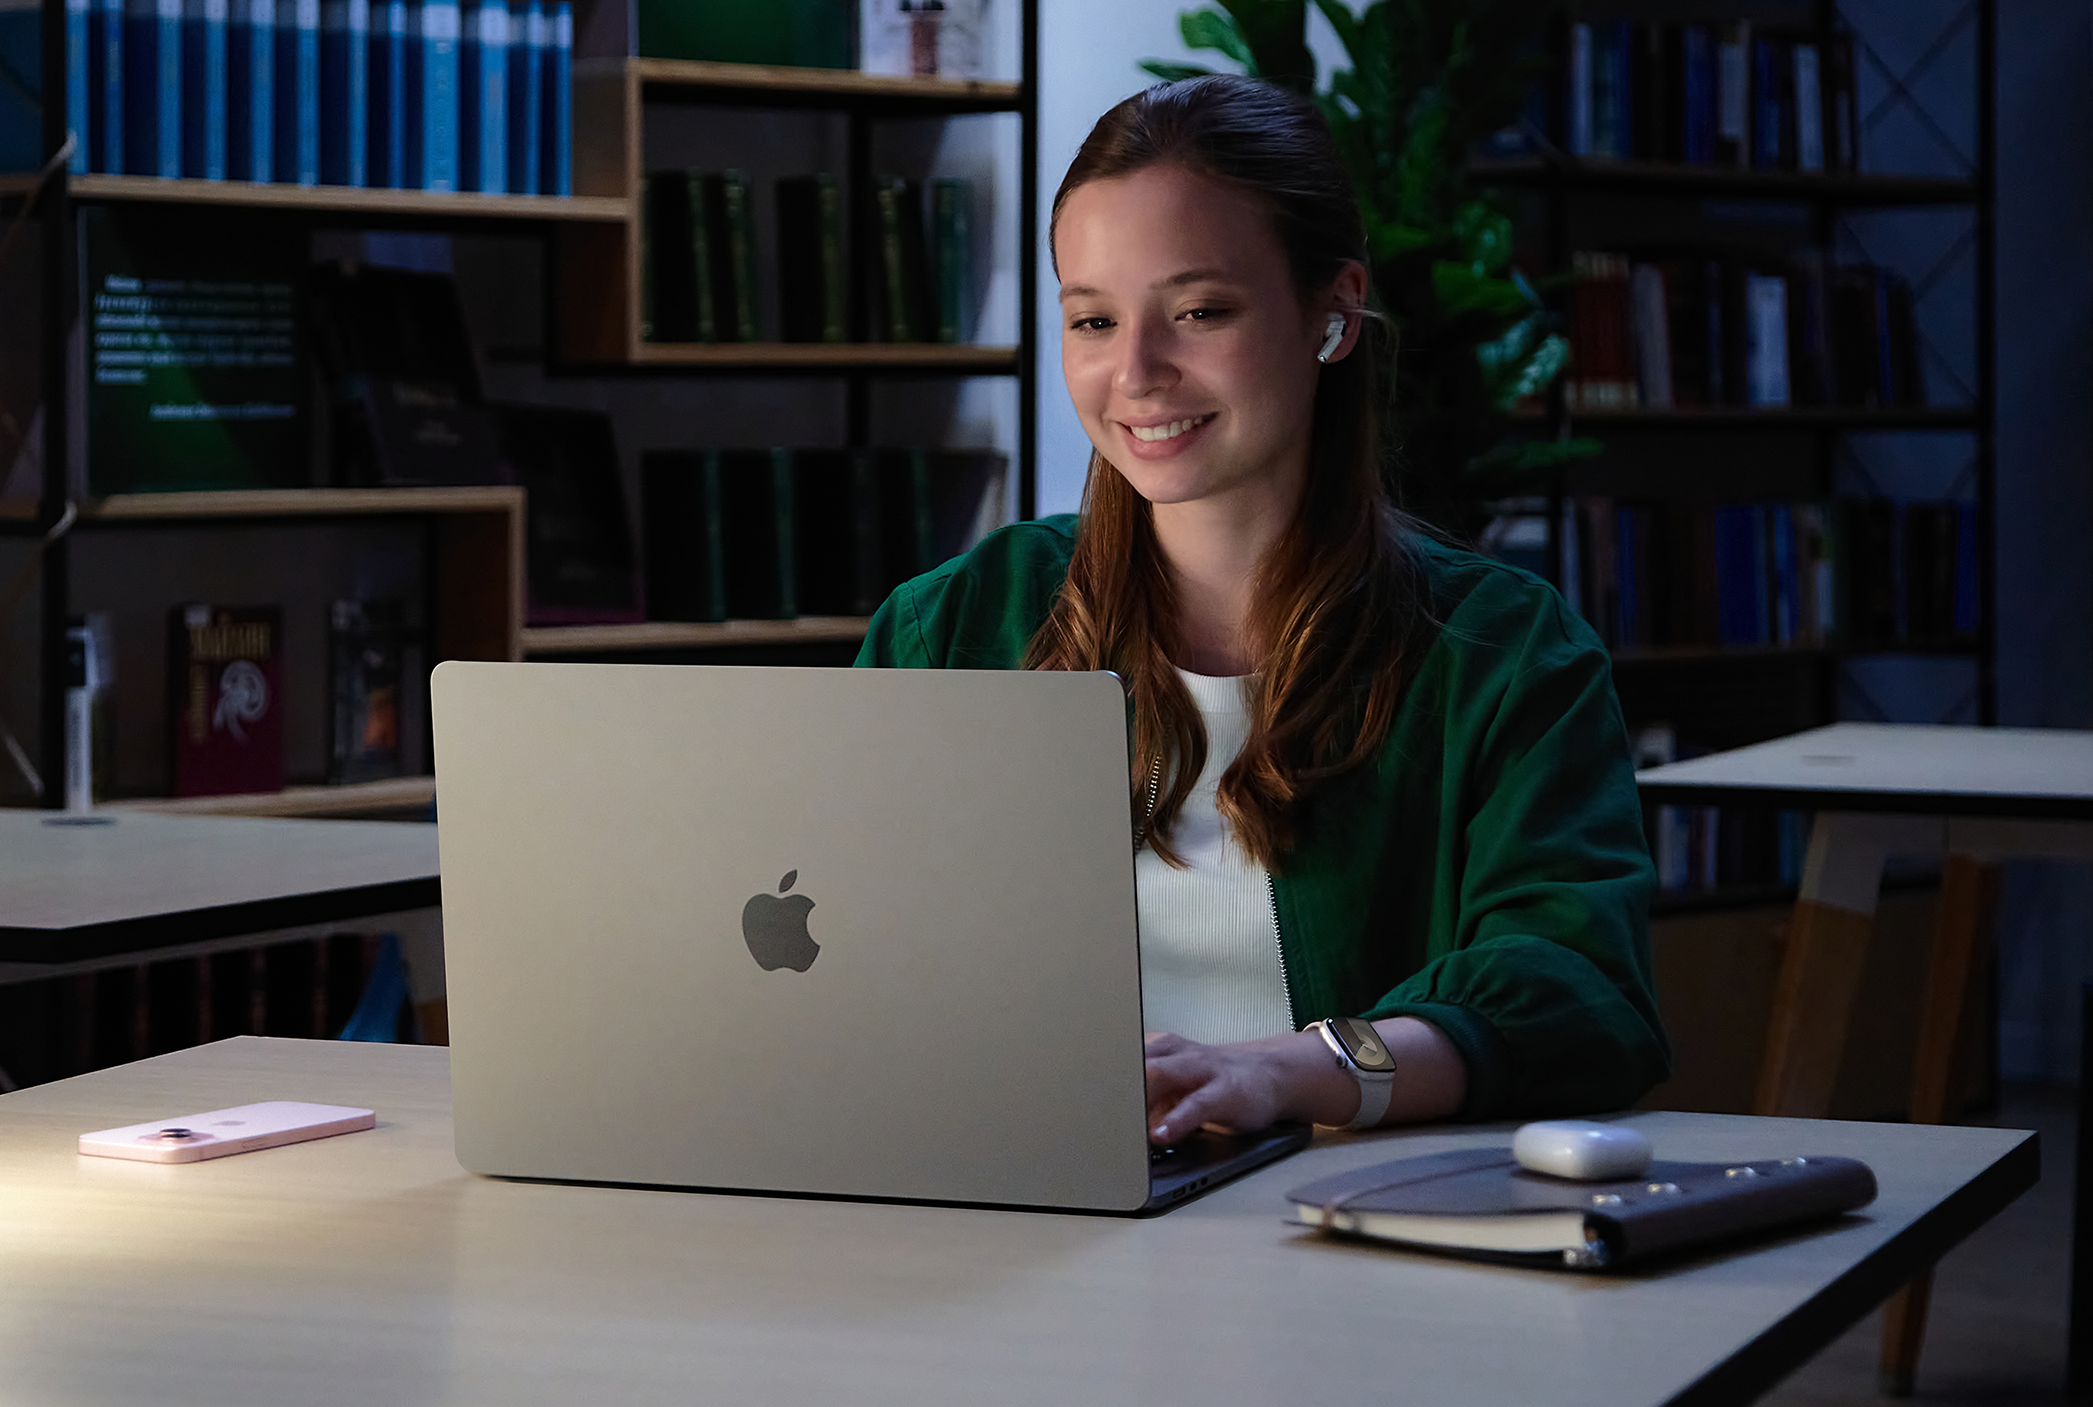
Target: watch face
<point>1363,1044</point>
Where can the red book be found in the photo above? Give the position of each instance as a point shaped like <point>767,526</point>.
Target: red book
<point>225,691</point>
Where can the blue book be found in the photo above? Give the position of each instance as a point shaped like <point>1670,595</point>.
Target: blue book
<point>1766,124</point>
<point>76,84</point>
<point>526,86</point>
<point>1787,578</point>
<point>1737,576</point>
<point>22,85</point>
<point>204,89</point>
<point>250,87</point>
<point>556,103</point>
<point>388,91</point>
<point>483,99</point>
<point>432,98</point>
<point>105,86</point>
<point>153,87</point>
<point>345,57</point>
<point>1966,612</point>
<point>1697,83</point>
<point>297,143</point>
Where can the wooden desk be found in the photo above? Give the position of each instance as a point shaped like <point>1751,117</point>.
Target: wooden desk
<point>370,1268</point>
<point>1969,797</point>
<point>73,894</point>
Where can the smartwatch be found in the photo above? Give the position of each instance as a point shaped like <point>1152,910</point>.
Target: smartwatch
<point>1360,1049</point>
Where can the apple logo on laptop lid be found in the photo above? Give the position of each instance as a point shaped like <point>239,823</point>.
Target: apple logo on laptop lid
<point>775,926</point>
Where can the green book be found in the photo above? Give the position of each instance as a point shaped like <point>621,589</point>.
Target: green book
<point>705,314</point>
<point>903,288</point>
<point>894,320</point>
<point>950,203</point>
<point>757,534</point>
<point>835,313</point>
<point>741,252</point>
<point>681,509</point>
<point>811,304</point>
<point>650,200</point>
<point>669,279</point>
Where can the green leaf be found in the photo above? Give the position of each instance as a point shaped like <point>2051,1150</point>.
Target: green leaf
<point>1547,362</point>
<point>1216,29</point>
<point>1484,234</point>
<point>1171,72</point>
<point>1460,288</point>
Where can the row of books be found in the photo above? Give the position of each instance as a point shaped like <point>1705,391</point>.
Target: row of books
<point>769,534</point>
<point>1869,573</point>
<point>411,94</point>
<point>1724,94</point>
<point>225,694</point>
<point>1710,847</point>
<point>1698,329</point>
<point>698,259</point>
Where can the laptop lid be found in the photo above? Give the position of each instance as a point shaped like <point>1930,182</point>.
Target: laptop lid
<point>866,933</point>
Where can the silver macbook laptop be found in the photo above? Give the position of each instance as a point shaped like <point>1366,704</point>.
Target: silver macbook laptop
<point>827,932</point>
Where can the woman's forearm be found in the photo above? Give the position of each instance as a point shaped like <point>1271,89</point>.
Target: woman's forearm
<point>1430,1080</point>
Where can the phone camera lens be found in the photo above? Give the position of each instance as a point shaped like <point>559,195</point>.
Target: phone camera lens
<point>176,1135</point>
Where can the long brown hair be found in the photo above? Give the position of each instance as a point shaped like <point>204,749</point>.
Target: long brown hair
<point>1337,598</point>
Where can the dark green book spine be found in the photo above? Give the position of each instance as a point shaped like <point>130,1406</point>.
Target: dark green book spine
<point>742,252</point>
<point>834,312</point>
<point>705,313</point>
<point>890,194</point>
<point>650,200</point>
<point>948,202</point>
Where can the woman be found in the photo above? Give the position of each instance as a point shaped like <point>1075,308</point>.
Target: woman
<point>1373,775</point>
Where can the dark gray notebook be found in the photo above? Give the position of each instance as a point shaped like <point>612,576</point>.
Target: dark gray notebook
<point>1480,1202</point>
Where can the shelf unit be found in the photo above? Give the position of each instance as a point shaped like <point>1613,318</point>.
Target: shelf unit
<point>474,563</point>
<point>597,308</point>
<point>1760,691</point>
<point>597,312</point>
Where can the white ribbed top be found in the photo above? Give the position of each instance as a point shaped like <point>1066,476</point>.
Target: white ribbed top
<point>1209,937</point>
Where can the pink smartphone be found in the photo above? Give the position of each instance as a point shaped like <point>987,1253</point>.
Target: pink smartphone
<point>191,1138</point>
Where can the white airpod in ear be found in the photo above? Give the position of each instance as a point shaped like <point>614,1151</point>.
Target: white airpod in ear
<point>1336,336</point>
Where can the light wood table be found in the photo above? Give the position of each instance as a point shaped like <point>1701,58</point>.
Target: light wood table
<point>371,1268</point>
<point>73,894</point>
<point>1969,797</point>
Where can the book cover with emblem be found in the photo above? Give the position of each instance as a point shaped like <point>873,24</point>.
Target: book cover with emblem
<point>225,696</point>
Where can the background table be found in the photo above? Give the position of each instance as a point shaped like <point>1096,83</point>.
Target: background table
<point>72,892</point>
<point>124,889</point>
<point>1969,797</point>
<point>370,1268</point>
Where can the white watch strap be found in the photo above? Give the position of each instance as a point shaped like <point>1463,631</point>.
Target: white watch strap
<point>1374,1093</point>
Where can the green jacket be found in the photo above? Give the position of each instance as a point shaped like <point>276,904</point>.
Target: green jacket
<point>1488,874</point>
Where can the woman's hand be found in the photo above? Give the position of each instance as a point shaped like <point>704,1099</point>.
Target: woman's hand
<point>1249,1085</point>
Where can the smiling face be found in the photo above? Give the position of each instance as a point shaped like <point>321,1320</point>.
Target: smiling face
<point>1189,354</point>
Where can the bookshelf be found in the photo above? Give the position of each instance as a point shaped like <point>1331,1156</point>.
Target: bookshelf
<point>473,540</point>
<point>1684,459</point>
<point>598,286</point>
